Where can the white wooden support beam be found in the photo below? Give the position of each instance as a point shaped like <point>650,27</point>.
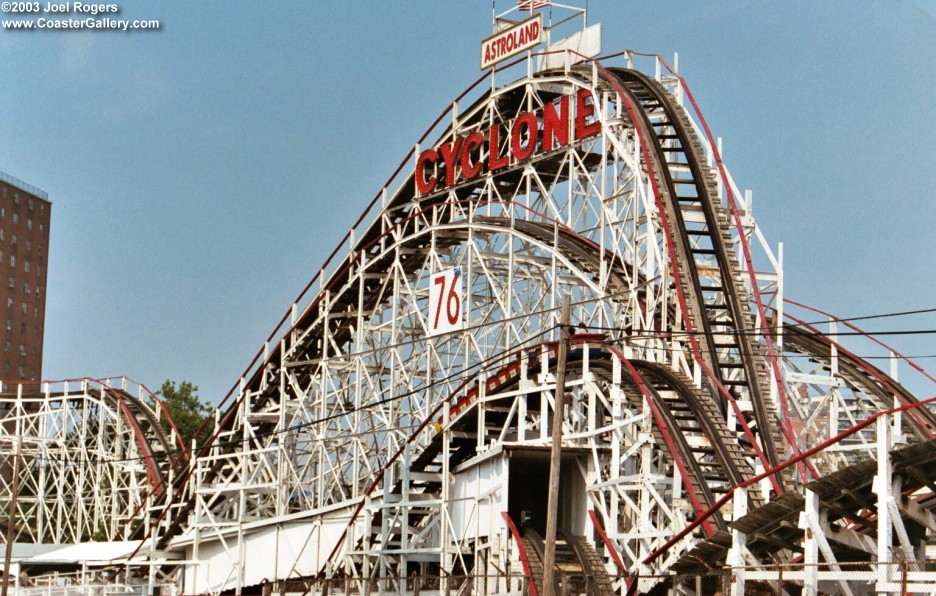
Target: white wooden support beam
<point>881,487</point>
<point>851,539</point>
<point>810,546</point>
<point>902,536</point>
<point>901,530</point>
<point>738,543</point>
<point>910,509</point>
<point>816,529</point>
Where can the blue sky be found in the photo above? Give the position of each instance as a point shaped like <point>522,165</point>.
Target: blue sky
<point>200,174</point>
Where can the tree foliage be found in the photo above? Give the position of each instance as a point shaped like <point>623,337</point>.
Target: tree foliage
<point>185,408</point>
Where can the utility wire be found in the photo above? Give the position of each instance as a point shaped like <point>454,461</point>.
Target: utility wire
<point>752,333</point>
<point>465,373</point>
<point>880,316</point>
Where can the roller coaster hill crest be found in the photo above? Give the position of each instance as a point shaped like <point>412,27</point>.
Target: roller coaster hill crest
<point>394,434</point>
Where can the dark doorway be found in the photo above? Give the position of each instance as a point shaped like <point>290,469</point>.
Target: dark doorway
<point>528,492</point>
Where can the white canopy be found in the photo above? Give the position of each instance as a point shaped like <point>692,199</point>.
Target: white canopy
<point>90,553</point>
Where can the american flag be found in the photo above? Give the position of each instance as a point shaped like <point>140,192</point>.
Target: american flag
<point>532,4</point>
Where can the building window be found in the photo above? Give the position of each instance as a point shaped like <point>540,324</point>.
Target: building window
<point>28,245</point>
<point>7,346</point>
<point>15,218</point>
<point>24,308</point>
<point>12,282</point>
<point>12,260</point>
<point>22,328</point>
<point>19,371</point>
<point>22,350</point>
<point>26,266</point>
<point>16,198</point>
<point>6,368</point>
<point>28,224</point>
<point>9,324</point>
<point>26,288</point>
<point>30,204</point>
<point>9,303</point>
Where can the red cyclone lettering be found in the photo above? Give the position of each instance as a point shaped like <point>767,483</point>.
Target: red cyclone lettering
<point>449,153</point>
<point>556,125</point>
<point>463,159</point>
<point>584,108</point>
<point>495,160</point>
<point>471,169</point>
<point>525,120</point>
<point>425,185</point>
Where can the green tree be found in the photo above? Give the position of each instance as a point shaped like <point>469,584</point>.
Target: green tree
<point>187,411</point>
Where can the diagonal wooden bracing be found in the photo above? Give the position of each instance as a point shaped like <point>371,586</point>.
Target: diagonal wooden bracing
<point>399,447</point>
<point>94,463</point>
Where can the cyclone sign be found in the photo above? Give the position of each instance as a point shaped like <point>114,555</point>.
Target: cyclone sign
<point>512,41</point>
<point>500,145</point>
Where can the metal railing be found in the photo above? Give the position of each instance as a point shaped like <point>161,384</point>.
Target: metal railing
<point>904,577</point>
<point>96,590</point>
<point>13,181</point>
<point>506,585</point>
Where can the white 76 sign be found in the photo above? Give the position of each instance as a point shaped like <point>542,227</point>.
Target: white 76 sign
<point>445,302</point>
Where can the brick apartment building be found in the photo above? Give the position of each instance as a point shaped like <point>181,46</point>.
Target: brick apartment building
<point>25,213</point>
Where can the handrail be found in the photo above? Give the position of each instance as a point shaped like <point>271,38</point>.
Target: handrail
<point>24,186</point>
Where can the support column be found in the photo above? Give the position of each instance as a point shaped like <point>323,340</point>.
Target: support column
<point>881,487</point>
<point>814,523</point>
<point>810,545</point>
<point>738,543</point>
<point>11,521</point>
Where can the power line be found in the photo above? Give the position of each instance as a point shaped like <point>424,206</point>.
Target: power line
<point>920,357</point>
<point>758,332</point>
<point>880,316</point>
<point>466,373</point>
